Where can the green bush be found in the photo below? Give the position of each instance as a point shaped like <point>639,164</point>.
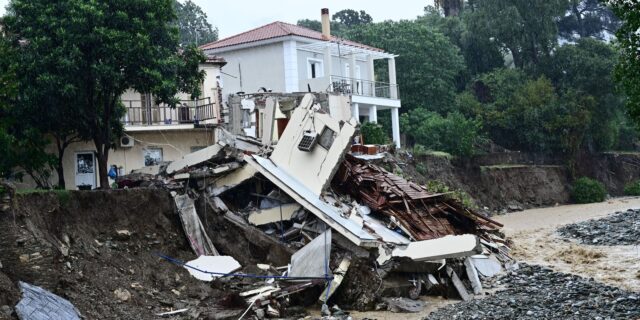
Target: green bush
<point>421,168</point>
<point>436,186</point>
<point>586,190</point>
<point>633,188</point>
<point>373,133</point>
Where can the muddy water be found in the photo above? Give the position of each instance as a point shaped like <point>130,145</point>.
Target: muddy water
<point>533,233</point>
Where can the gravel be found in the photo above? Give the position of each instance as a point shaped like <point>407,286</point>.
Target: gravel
<point>535,292</point>
<point>620,228</point>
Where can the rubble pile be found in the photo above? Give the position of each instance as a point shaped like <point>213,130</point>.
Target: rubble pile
<point>284,219</point>
<point>535,292</point>
<point>338,222</point>
<point>620,228</point>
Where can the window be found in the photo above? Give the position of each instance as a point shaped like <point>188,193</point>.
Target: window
<point>326,138</point>
<point>315,68</point>
<point>152,156</point>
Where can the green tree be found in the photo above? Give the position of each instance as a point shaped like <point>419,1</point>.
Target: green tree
<point>454,133</point>
<point>350,18</point>
<point>22,146</point>
<point>480,54</point>
<point>587,67</point>
<point>450,7</point>
<point>587,18</point>
<point>193,25</point>
<point>526,29</point>
<point>428,64</point>
<point>628,68</point>
<point>107,48</point>
<point>337,28</point>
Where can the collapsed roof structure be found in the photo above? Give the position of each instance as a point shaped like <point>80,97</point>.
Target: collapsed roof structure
<point>284,170</point>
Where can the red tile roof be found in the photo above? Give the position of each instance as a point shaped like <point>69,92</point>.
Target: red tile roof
<point>275,30</point>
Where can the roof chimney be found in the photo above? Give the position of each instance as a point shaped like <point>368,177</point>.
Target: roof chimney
<point>326,24</point>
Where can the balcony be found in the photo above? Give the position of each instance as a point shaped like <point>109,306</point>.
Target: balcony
<point>186,112</point>
<point>360,87</point>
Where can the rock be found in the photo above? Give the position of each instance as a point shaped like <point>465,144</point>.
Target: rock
<point>620,228</point>
<point>535,292</point>
<point>24,258</point>
<point>5,312</point>
<point>122,294</point>
<point>260,314</point>
<point>324,311</point>
<point>122,235</point>
<point>403,304</point>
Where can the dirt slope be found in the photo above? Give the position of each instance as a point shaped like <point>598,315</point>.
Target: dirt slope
<point>67,243</point>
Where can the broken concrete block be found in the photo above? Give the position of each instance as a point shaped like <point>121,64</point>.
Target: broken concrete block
<point>457,283</point>
<point>339,274</point>
<point>472,274</point>
<point>193,228</point>
<point>441,248</point>
<point>195,158</point>
<point>276,214</point>
<point>403,305</point>
<point>40,304</point>
<point>313,259</point>
<point>231,180</point>
<point>122,294</point>
<point>206,268</point>
<point>488,266</point>
<point>122,235</point>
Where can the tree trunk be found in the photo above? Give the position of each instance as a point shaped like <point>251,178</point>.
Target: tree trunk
<point>59,167</point>
<point>103,157</point>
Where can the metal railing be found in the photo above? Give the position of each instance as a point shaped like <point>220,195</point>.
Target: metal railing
<point>186,112</point>
<point>363,87</point>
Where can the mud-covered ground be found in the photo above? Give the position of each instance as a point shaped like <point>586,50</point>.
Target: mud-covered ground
<point>69,243</point>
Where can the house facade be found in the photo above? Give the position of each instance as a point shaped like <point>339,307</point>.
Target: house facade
<point>153,133</point>
<point>282,57</point>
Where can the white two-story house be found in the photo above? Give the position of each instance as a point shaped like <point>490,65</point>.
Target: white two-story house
<point>283,57</point>
<point>153,132</point>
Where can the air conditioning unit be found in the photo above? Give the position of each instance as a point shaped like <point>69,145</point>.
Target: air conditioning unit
<point>126,142</point>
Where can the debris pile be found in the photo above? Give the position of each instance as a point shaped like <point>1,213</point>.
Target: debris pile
<point>535,292</point>
<point>620,228</point>
<point>338,229</point>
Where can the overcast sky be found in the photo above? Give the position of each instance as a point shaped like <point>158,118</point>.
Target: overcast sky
<point>235,16</point>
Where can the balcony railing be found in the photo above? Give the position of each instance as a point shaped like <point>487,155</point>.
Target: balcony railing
<point>186,112</point>
<point>360,87</point>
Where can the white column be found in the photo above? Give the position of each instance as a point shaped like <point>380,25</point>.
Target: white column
<point>355,111</point>
<point>395,126</point>
<point>352,72</point>
<point>326,56</point>
<point>373,114</point>
<point>290,55</point>
<point>370,88</point>
<point>393,91</point>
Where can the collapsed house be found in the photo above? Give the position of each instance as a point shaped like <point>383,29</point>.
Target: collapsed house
<point>340,228</point>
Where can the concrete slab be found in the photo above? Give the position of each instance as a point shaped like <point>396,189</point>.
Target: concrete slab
<point>195,158</point>
<point>217,264</point>
<point>441,248</point>
<point>276,214</point>
<point>487,267</point>
<point>313,259</point>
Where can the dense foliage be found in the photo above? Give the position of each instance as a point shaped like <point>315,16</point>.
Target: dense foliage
<point>628,69</point>
<point>586,190</point>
